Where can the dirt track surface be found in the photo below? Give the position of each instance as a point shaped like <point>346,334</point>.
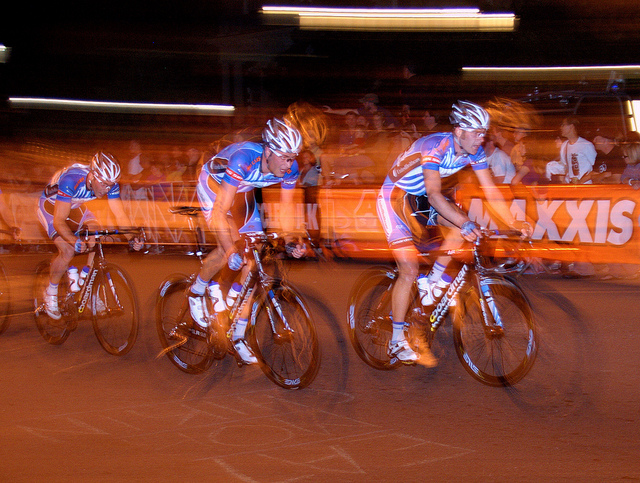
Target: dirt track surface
<point>75,413</point>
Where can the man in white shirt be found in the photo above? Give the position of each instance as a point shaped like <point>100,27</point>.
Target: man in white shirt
<point>576,153</point>
<point>499,163</point>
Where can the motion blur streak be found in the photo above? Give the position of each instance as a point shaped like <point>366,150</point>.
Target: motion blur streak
<point>122,107</point>
<point>393,19</point>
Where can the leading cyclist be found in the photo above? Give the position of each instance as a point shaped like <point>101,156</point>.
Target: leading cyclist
<point>416,192</point>
<point>226,194</point>
<point>62,213</point>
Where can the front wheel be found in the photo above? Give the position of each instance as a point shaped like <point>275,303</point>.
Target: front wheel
<point>5,300</point>
<point>284,338</point>
<point>53,331</point>
<point>115,310</point>
<point>369,317</point>
<point>182,340</point>
<point>496,356</point>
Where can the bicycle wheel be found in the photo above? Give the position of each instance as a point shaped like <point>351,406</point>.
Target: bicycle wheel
<point>369,317</point>
<point>290,354</point>
<point>115,311</point>
<point>496,357</point>
<point>5,300</point>
<point>53,331</point>
<point>192,355</point>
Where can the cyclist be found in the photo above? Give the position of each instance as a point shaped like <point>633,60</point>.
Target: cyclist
<point>226,193</point>
<point>416,193</point>
<point>62,213</point>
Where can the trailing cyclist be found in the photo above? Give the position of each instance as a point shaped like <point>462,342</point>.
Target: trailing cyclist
<point>417,192</point>
<point>62,213</point>
<point>226,194</point>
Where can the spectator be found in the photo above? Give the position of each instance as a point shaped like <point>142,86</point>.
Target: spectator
<point>431,123</point>
<point>499,163</point>
<point>609,163</point>
<point>577,154</point>
<point>370,107</point>
<point>631,173</point>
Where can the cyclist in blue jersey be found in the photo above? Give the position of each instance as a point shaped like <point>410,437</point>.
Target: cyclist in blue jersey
<point>226,193</point>
<point>415,193</point>
<point>62,213</point>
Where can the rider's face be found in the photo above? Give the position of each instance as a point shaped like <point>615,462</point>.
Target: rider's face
<point>99,187</point>
<point>470,141</point>
<point>278,163</point>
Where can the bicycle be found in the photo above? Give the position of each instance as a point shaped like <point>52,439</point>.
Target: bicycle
<point>280,330</point>
<point>494,331</point>
<point>107,297</point>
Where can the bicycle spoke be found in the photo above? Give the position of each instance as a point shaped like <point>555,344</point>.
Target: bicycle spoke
<point>115,311</point>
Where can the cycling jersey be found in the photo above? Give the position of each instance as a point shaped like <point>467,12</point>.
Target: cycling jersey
<point>435,152</point>
<point>240,165</point>
<point>69,186</point>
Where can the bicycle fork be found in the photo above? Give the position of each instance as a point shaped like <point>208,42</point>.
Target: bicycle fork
<point>490,313</point>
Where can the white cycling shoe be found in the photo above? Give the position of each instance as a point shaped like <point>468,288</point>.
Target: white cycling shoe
<point>244,352</point>
<point>433,292</point>
<point>51,306</point>
<point>402,351</point>
<point>198,309</point>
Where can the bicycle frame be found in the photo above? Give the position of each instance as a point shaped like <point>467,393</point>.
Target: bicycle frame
<point>491,315</point>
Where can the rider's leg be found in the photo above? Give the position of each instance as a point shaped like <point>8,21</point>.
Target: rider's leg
<point>61,262</point>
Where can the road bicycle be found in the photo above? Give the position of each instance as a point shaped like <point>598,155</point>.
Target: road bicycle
<point>107,297</point>
<point>494,331</point>
<point>280,329</point>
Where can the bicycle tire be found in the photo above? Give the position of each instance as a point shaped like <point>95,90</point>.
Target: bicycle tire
<point>369,317</point>
<point>115,310</point>
<point>53,331</point>
<point>5,300</point>
<point>194,356</point>
<point>500,359</point>
<point>289,359</point>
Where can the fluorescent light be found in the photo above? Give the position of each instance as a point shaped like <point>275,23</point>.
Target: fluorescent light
<point>606,68</point>
<point>444,19</point>
<point>4,53</point>
<point>121,107</point>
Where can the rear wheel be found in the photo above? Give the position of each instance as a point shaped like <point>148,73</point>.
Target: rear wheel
<point>115,311</point>
<point>53,331</point>
<point>496,356</point>
<point>5,300</point>
<point>284,338</point>
<point>183,341</point>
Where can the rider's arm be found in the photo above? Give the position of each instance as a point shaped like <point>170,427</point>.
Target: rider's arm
<point>61,211</point>
<point>221,206</point>
<point>494,196</point>
<point>445,208</point>
<point>117,208</point>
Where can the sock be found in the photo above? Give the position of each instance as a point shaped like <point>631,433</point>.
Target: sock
<point>446,278</point>
<point>436,272</point>
<point>398,331</point>
<point>52,289</point>
<point>199,286</point>
<point>238,331</point>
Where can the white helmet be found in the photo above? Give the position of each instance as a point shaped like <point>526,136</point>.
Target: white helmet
<point>105,167</point>
<point>467,115</point>
<point>282,137</point>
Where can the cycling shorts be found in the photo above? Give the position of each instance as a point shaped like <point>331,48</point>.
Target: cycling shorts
<point>406,219</point>
<point>78,217</point>
<point>244,212</point>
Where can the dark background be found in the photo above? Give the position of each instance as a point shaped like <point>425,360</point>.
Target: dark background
<point>221,52</point>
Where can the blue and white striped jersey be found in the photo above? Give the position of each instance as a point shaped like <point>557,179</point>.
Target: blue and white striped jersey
<point>239,165</point>
<point>434,152</point>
